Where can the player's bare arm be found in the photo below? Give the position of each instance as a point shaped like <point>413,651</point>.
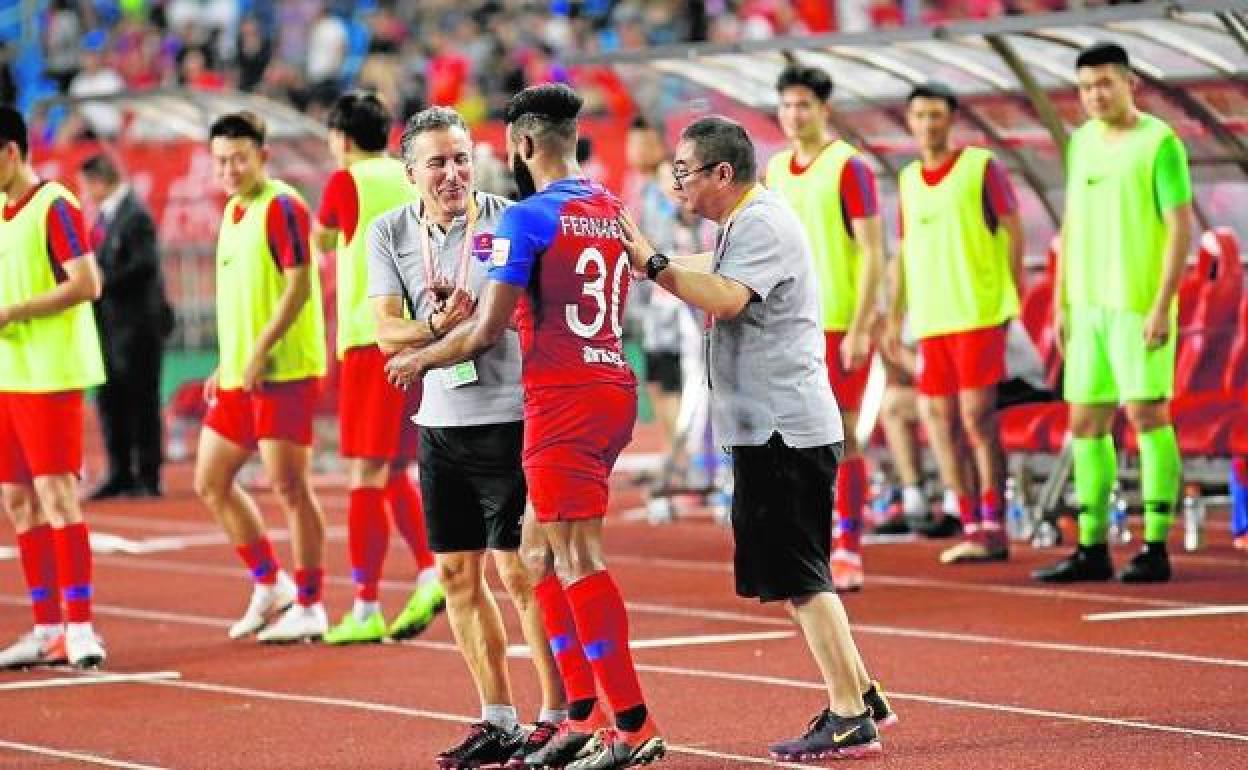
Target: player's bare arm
<point>466,341</point>
<point>294,296</point>
<point>723,298</point>
<point>1178,241</point>
<point>395,332</point>
<point>869,234</point>
<point>896,304</point>
<point>81,285</point>
<point>324,239</point>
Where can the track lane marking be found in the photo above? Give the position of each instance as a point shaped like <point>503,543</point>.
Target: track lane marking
<point>89,679</point>
<point>1178,612</point>
<point>77,756</point>
<point>439,716</point>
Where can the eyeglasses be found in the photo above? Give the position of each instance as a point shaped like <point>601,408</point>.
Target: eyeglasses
<point>678,178</point>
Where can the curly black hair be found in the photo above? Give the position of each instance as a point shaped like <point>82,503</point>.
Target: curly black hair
<point>551,102</point>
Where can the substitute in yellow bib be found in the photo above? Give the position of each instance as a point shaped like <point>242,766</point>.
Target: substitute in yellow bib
<point>376,435</point>
<point>263,395</point>
<point>961,269</point>
<point>1125,237</point>
<point>832,191</point>
<point>49,353</point>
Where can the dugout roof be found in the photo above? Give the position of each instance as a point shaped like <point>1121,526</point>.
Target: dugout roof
<point>1017,82</point>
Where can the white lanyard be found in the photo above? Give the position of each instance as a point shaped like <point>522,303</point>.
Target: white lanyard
<point>430,258</point>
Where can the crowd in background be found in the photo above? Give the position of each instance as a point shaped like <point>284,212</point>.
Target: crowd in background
<point>469,54</point>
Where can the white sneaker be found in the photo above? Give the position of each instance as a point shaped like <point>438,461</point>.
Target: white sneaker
<point>949,504</point>
<point>913,503</point>
<point>266,602</point>
<point>297,624</point>
<point>83,647</point>
<point>36,648</point>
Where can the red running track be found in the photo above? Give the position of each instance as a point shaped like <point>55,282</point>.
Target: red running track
<point>985,669</point>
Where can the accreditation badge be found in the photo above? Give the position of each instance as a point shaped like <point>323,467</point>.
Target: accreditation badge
<point>459,375</point>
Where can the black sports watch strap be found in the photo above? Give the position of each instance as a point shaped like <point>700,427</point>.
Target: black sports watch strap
<point>657,263</point>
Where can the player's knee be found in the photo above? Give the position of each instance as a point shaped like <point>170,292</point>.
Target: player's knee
<point>516,580</point>
<point>578,563</point>
<point>58,501</point>
<point>19,506</point>
<point>460,577</point>
<point>211,489</point>
<point>536,560</point>
<point>1148,416</point>
<point>292,490</point>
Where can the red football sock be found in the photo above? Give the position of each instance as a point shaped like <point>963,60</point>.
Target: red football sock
<point>409,516</point>
<point>851,490</point>
<point>574,667</point>
<point>368,537</point>
<point>73,570</point>
<point>602,625</point>
<point>967,512</point>
<point>1239,466</point>
<point>309,583</point>
<point>260,560</point>
<point>990,508</point>
<point>38,555</point>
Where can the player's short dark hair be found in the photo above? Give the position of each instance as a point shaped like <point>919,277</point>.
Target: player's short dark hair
<point>239,125</point>
<point>362,117</point>
<point>934,90</point>
<point>1101,53</point>
<point>102,167</point>
<point>717,139</point>
<point>430,119</point>
<point>546,111</point>
<point>13,129</point>
<point>813,78</point>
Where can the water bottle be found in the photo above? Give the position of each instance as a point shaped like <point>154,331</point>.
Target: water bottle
<point>720,498</point>
<point>881,495</point>
<point>1016,524</point>
<point>1193,519</point>
<point>1119,529</point>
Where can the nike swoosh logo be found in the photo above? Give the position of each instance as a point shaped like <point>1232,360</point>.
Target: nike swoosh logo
<point>1095,179</point>
<point>838,737</point>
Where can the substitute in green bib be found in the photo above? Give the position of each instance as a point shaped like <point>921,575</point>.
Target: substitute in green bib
<point>832,191</point>
<point>375,432</point>
<point>263,395</point>
<point>958,278</point>
<point>49,354</point>
<point>1125,237</point>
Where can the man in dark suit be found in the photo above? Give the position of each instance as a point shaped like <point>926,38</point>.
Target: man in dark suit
<point>134,318</point>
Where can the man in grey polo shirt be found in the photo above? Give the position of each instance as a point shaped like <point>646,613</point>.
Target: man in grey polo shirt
<point>426,261</point>
<point>771,405</point>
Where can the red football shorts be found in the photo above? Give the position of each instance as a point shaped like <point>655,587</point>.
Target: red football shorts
<point>40,435</point>
<point>572,437</point>
<point>969,360</point>
<point>373,415</point>
<point>848,386</point>
<point>277,411</point>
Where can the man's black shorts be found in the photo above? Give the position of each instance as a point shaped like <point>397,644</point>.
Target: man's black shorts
<point>782,519</point>
<point>663,369</point>
<point>473,486</point>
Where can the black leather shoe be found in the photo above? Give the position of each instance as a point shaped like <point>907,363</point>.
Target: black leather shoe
<point>1151,565</point>
<point>113,488</point>
<point>1088,563</point>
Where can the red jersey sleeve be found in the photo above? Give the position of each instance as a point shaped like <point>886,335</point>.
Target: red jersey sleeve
<point>340,206</point>
<point>67,233</point>
<point>289,231</point>
<point>859,199</point>
<point>999,197</point>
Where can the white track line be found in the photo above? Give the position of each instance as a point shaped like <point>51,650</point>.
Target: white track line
<point>695,565</point>
<point>956,702</point>
<point>80,681</point>
<point>439,716</point>
<point>1180,612</point>
<point>661,643</point>
<point>719,675</point>
<point>74,755</point>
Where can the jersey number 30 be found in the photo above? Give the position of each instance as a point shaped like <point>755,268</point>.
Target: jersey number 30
<point>597,289</point>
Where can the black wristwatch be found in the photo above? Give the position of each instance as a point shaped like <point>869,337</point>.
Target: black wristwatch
<point>656,264</point>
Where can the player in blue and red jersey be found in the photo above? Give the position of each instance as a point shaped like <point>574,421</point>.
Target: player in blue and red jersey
<point>558,266</point>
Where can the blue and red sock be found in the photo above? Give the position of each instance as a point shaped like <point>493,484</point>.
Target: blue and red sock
<point>565,645</point>
<point>309,582</point>
<point>38,554</point>
<point>368,537</point>
<point>1239,496</point>
<point>73,570</point>
<point>261,561</point>
<point>851,496</point>
<point>602,625</point>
